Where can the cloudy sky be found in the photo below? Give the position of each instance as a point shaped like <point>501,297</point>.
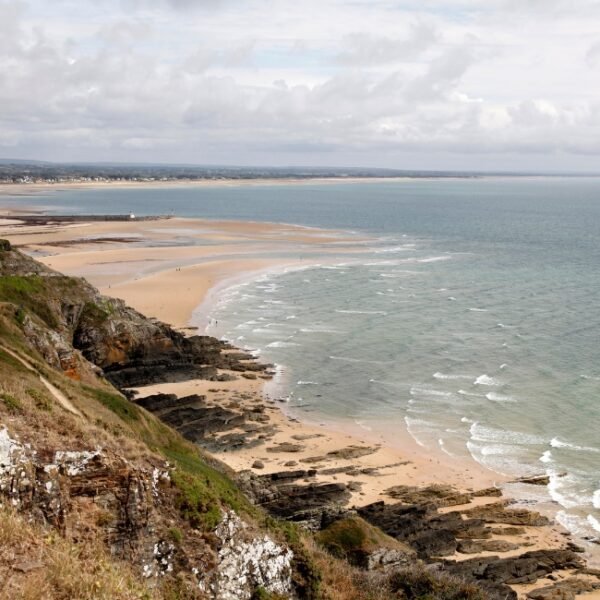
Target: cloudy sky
<point>439,84</point>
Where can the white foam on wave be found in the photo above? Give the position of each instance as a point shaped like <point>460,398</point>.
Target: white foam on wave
<point>452,298</point>
<point>307,383</point>
<point>594,522</point>
<point>499,397</point>
<point>345,359</point>
<point>483,433</point>
<point>282,345</point>
<point>485,380</point>
<point>395,249</point>
<point>442,376</point>
<point>431,259</point>
<point>503,366</point>
<point>596,499</point>
<point>265,330</point>
<point>477,309</point>
<point>573,523</point>
<point>563,489</point>
<point>399,273</point>
<point>546,457</point>
<point>466,420</point>
<point>412,424</point>
<point>319,330</point>
<point>360,312</point>
<point>290,317</point>
<point>557,443</point>
<point>380,263</point>
<point>496,450</point>
<point>465,393</point>
<point>419,391</point>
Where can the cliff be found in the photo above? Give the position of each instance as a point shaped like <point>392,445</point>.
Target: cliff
<point>139,511</point>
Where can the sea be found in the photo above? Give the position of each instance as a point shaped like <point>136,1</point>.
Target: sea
<point>469,318</point>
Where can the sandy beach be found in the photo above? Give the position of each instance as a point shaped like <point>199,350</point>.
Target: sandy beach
<point>31,189</point>
<point>175,269</point>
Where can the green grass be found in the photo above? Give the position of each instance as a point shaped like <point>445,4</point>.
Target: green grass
<point>260,593</point>
<point>28,293</point>
<point>201,490</point>
<point>12,404</point>
<point>12,362</point>
<point>122,407</point>
<point>196,500</point>
<point>40,399</point>
<point>94,314</point>
<point>353,538</point>
<point>176,534</point>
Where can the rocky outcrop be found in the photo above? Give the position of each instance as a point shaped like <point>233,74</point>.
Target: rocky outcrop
<point>526,568</point>
<point>94,493</point>
<point>210,425</point>
<point>131,349</point>
<point>246,563</point>
<point>565,590</point>
<point>313,505</point>
<point>440,495</point>
<point>433,534</point>
<point>70,489</point>
<point>430,533</point>
<point>498,512</point>
<point>478,546</point>
<point>134,351</point>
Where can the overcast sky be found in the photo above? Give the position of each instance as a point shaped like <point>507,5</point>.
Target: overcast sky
<point>438,84</point>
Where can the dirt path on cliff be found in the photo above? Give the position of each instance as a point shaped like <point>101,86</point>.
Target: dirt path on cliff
<point>56,393</point>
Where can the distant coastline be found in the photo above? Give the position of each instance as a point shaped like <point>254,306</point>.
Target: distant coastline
<point>32,188</point>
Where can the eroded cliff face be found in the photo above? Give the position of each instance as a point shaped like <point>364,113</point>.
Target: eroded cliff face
<point>95,493</point>
<point>66,320</point>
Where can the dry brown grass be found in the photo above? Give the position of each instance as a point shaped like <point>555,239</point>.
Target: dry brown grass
<point>60,570</point>
<point>342,581</point>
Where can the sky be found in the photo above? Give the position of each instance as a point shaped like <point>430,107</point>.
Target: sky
<point>406,84</point>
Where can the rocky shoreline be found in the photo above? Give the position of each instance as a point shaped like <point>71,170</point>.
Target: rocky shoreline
<point>480,522</point>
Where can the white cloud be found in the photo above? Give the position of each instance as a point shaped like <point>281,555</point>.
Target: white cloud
<point>247,82</point>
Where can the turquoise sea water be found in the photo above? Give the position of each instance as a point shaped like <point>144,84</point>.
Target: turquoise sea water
<point>472,319</point>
